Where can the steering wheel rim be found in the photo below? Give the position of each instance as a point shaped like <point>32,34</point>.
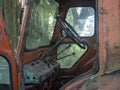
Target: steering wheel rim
<point>70,32</point>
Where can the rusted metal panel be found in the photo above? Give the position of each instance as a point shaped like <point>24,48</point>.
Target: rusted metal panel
<point>109,32</point>
<point>33,55</point>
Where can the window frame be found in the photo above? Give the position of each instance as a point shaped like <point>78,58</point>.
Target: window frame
<point>95,22</point>
<point>69,5</point>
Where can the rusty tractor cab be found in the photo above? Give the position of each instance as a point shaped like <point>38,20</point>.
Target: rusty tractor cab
<point>63,44</point>
<point>73,45</point>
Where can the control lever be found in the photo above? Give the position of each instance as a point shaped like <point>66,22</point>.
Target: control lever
<point>61,40</point>
<point>61,51</point>
<point>66,56</point>
<point>48,53</point>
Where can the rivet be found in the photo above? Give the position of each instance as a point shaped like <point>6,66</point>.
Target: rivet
<point>116,45</point>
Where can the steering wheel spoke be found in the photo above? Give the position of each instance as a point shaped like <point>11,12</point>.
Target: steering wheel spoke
<point>70,32</point>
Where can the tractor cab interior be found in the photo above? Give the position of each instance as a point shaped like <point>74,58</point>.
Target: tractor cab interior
<point>58,44</point>
<point>66,37</point>
<point>62,45</point>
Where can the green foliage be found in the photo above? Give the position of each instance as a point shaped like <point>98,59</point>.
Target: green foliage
<point>82,19</point>
<point>69,61</point>
<point>41,24</point>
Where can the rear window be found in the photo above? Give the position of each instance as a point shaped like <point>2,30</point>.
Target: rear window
<point>82,19</point>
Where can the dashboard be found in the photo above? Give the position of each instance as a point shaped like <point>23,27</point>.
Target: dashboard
<point>39,70</point>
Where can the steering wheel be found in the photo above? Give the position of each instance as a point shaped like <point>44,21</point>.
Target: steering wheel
<point>70,32</point>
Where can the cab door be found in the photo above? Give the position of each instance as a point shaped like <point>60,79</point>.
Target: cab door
<point>75,60</point>
<point>8,67</point>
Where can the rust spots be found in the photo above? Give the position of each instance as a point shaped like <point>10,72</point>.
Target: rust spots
<point>113,56</point>
<point>103,11</point>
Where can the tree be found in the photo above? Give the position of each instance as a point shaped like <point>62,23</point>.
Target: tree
<point>41,24</point>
